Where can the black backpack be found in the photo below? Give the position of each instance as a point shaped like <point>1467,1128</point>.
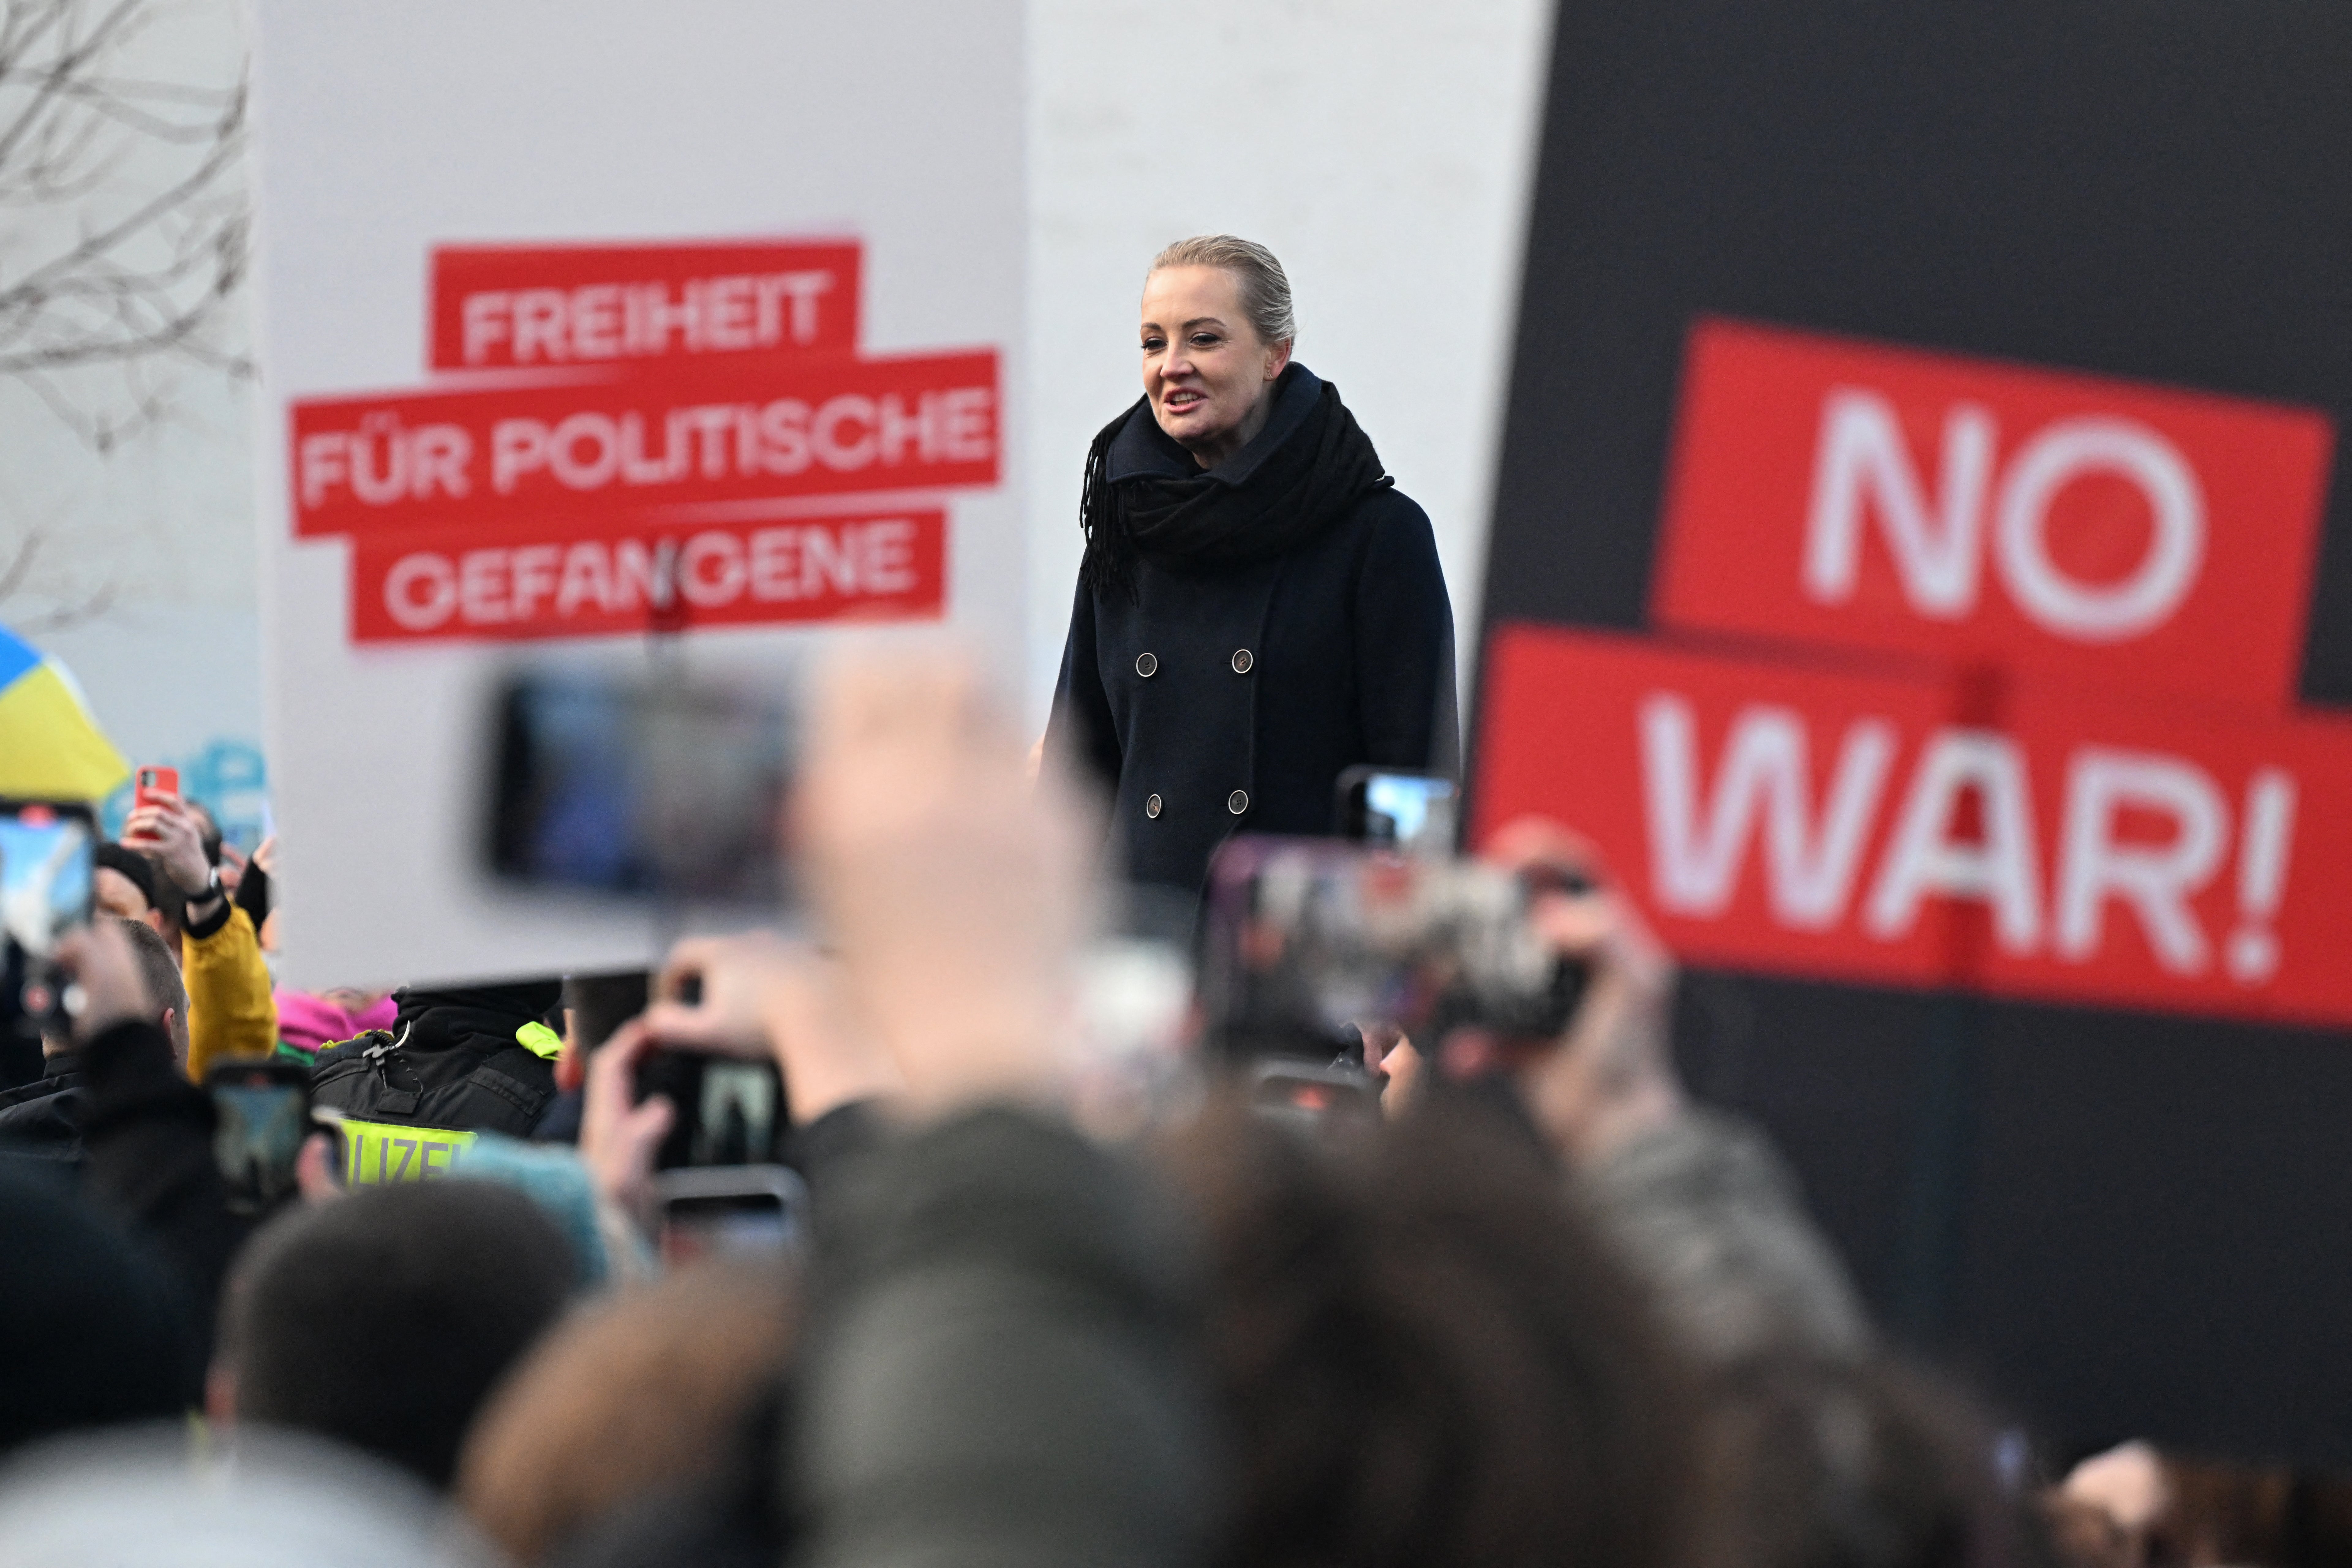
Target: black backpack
<point>479,1085</point>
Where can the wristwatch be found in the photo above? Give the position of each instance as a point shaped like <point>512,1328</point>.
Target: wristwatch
<point>211,890</point>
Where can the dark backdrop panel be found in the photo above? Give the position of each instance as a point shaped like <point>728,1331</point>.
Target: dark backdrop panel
<point>2115,1225</point>
<point>2155,188</point>
<point>2121,1223</point>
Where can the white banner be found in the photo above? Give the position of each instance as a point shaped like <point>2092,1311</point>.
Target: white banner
<point>741,235</point>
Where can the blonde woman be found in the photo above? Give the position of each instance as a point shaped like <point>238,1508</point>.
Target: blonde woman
<point>1259,607</point>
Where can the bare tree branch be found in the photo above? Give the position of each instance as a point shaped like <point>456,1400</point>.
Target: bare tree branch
<point>89,609</point>
<point>19,565</point>
<point>148,226</point>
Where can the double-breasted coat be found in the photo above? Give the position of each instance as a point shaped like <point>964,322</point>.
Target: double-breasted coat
<point>1230,699</point>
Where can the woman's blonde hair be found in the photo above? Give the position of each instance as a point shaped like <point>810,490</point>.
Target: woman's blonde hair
<point>1265,289</point>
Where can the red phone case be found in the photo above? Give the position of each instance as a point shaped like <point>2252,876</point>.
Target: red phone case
<point>152,785</point>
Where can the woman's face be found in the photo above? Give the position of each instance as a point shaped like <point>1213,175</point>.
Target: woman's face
<point>1204,367</point>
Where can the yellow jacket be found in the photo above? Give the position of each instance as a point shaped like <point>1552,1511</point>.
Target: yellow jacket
<point>230,1011</point>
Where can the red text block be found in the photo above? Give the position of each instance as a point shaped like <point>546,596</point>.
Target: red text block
<point>1829,491</point>
<point>1934,833</point>
<point>505,307</point>
<point>551,582</point>
<point>697,431</point>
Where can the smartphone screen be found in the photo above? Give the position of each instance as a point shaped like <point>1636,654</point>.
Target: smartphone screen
<point>729,1111</point>
<point>1314,1096</point>
<point>263,1113</point>
<point>45,873</point>
<point>1414,812</point>
<point>753,1210</point>
<point>638,790</point>
<point>1302,937</point>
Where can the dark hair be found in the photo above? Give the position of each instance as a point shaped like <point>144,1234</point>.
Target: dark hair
<point>1426,1357</point>
<point>384,1319</point>
<point>96,1334</point>
<point>650,1393</point>
<point>160,972</point>
<point>601,1004</point>
<point>133,866</point>
<point>1827,1465</point>
<point>208,831</point>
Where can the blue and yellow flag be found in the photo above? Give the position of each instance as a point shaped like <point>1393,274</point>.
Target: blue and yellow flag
<point>50,748</point>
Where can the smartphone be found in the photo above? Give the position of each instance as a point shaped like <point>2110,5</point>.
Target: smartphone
<point>1307,1095</point>
<point>757,1211</point>
<point>1416,813</point>
<point>731,1111</point>
<point>640,789</point>
<point>262,1111</point>
<point>47,877</point>
<point>152,785</point>
<point>1307,940</point>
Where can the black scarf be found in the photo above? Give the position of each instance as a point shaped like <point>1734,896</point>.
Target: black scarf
<point>1295,491</point>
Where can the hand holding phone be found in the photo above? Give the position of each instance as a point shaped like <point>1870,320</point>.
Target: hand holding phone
<point>618,1132</point>
<point>761,994</point>
<point>151,787</point>
<point>168,830</point>
<point>1613,1076</point>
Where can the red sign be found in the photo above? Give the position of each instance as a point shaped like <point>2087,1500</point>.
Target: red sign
<point>1924,832</point>
<point>504,307</point>
<point>551,582</point>
<point>708,430</point>
<point>1829,490</point>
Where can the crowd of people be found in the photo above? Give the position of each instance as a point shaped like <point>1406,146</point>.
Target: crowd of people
<point>1561,1313</point>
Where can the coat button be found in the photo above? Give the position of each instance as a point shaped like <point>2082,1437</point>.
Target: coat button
<point>1151,806</point>
<point>1237,801</point>
<point>1147,665</point>
<point>1242,661</point>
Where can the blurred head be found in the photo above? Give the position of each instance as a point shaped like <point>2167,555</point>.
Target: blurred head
<point>1844,1466</point>
<point>523,1001</point>
<point>95,1334</point>
<point>1216,332</point>
<point>207,830</point>
<point>167,996</point>
<point>124,885</point>
<point>383,1319</point>
<point>145,1496</point>
<point>1425,1356</point>
<point>635,1398</point>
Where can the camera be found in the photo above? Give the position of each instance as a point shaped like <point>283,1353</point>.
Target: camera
<point>657,789</point>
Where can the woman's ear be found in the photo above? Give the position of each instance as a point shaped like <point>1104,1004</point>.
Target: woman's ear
<point>1279,360</point>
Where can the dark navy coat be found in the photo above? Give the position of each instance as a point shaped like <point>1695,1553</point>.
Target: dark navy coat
<point>1230,700</point>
